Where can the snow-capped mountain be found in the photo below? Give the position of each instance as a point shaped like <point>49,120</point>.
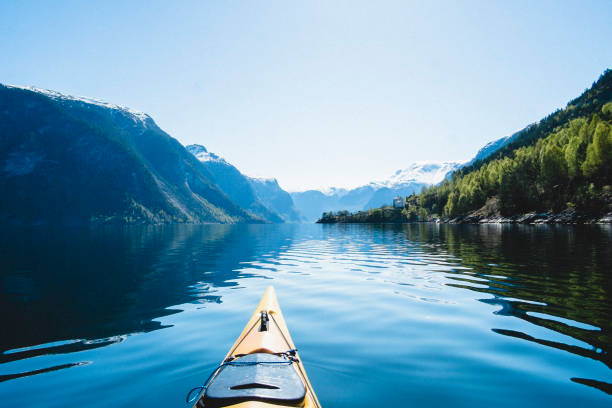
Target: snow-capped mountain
<point>262,197</point>
<point>334,191</point>
<point>403,182</point>
<point>135,115</point>
<point>374,194</point>
<point>204,155</point>
<point>421,172</point>
<point>74,160</point>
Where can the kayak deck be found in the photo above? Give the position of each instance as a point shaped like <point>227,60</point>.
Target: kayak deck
<point>266,332</point>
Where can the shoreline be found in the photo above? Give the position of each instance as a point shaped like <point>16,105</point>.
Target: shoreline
<point>565,217</point>
<point>568,217</point>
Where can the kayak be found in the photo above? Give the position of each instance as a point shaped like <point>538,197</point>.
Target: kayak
<point>262,369</point>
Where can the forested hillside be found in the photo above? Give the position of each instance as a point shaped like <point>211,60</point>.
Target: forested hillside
<point>67,160</point>
<point>561,163</point>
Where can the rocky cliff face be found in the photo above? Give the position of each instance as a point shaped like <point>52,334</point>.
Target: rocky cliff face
<point>236,185</point>
<point>274,197</point>
<point>262,197</point>
<point>76,160</point>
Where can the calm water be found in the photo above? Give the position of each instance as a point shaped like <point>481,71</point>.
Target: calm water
<point>393,316</point>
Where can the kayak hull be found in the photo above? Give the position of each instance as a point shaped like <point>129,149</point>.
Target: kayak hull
<point>275,340</point>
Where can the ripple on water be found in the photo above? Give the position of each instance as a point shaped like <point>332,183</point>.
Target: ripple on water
<point>428,315</point>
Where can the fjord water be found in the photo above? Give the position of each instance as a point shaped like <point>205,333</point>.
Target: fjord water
<point>383,315</point>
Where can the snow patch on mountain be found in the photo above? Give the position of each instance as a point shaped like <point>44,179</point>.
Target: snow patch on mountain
<point>334,191</point>
<point>420,172</point>
<point>264,180</point>
<point>204,155</point>
<point>136,115</point>
<point>425,172</point>
<point>492,147</point>
<point>403,182</point>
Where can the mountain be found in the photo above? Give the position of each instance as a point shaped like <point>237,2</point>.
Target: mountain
<point>590,102</point>
<point>492,147</point>
<point>71,160</point>
<point>237,186</point>
<point>556,170</point>
<point>412,179</point>
<point>421,172</point>
<point>274,197</point>
<point>561,163</point>
<point>312,203</point>
<point>263,198</point>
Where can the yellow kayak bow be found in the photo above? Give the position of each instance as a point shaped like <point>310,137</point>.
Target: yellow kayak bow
<point>263,368</point>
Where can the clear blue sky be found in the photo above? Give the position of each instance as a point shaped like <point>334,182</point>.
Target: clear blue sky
<point>316,93</point>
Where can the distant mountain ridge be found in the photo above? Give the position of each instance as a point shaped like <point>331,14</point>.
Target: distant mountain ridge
<point>274,197</point>
<point>73,160</point>
<point>233,183</point>
<point>412,179</point>
<point>262,197</point>
<point>421,172</point>
<point>403,182</point>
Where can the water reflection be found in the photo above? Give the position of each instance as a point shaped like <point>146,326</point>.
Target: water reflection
<point>460,308</point>
<point>555,277</point>
<point>70,290</point>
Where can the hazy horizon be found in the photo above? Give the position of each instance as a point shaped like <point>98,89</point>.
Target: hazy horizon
<point>317,95</point>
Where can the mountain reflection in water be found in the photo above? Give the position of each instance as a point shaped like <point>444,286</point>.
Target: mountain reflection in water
<point>100,284</point>
<point>384,315</point>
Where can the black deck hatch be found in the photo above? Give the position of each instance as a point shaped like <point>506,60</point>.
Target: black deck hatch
<point>258,376</point>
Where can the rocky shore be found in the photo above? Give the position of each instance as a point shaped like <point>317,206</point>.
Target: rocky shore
<point>564,217</point>
<point>395,216</point>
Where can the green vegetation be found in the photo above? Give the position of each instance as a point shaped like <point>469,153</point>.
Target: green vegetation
<point>76,163</point>
<point>562,162</point>
<point>375,215</point>
<point>568,168</point>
